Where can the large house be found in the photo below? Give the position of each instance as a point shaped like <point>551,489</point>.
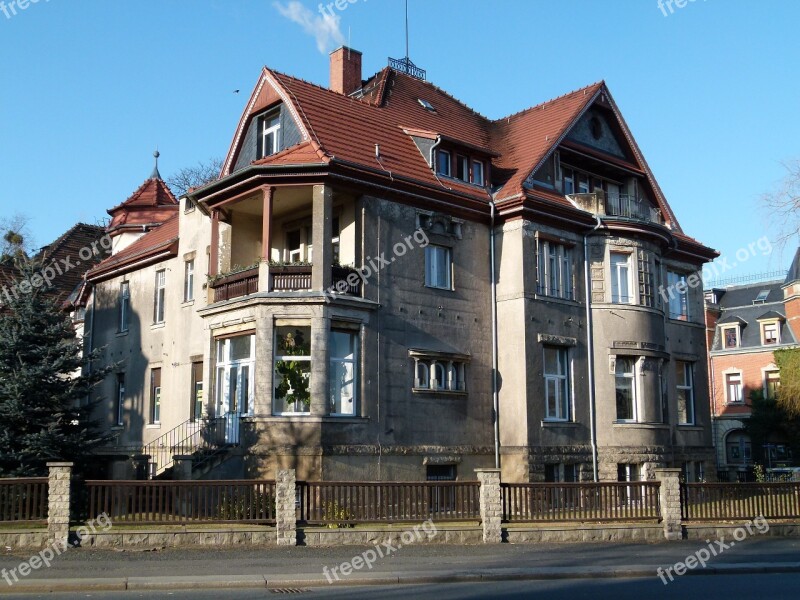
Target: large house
<point>384,284</point>
<point>746,324</point>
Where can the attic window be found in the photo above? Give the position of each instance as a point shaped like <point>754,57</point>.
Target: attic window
<point>426,105</point>
<point>762,297</point>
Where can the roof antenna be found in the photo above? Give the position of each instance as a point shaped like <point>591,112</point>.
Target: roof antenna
<point>408,56</point>
<point>155,174</point>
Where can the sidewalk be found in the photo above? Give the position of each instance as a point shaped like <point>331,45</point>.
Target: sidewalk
<point>212,568</point>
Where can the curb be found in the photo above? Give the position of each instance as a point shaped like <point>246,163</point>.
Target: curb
<point>378,579</point>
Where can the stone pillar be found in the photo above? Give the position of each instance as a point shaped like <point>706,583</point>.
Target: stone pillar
<point>321,230</point>
<point>491,505</point>
<point>670,498</point>
<point>320,390</point>
<point>58,499</point>
<point>285,513</point>
<point>183,467</point>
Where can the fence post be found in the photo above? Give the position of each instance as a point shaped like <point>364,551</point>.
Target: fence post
<point>58,501</point>
<point>285,512</point>
<point>670,500</point>
<point>491,505</point>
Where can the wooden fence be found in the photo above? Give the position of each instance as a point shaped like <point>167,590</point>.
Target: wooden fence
<point>23,500</point>
<point>724,501</point>
<point>347,503</point>
<point>542,502</point>
<point>182,502</point>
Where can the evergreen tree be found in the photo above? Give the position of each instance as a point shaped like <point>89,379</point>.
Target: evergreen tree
<point>45,413</point>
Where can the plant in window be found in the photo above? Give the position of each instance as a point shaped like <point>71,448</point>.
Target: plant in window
<point>294,386</point>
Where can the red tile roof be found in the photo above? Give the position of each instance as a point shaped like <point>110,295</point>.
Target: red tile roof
<point>162,239</point>
<point>73,247</point>
<point>152,202</point>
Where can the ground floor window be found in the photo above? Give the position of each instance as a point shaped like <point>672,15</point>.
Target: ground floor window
<point>630,473</point>
<point>155,396</point>
<point>196,392</point>
<point>292,370</point>
<point>693,471</point>
<point>561,473</point>
<point>343,374</point>
<point>738,448</point>
<point>235,382</point>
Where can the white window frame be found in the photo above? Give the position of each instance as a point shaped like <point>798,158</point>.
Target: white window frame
<point>621,272</point>
<point>688,388</point>
<point>777,325</point>
<point>556,270</point>
<point>678,305</point>
<point>765,375</point>
<point>159,308</point>
<point>188,280</point>
<point>633,375</point>
<point>738,330</point>
<point>224,365</point>
<point>289,357</point>
<point>561,380</point>
<point>352,362</point>
<point>463,162</point>
<point>434,270</point>
<point>439,155</point>
<point>740,396</point>
<point>273,130</point>
<point>124,305</point>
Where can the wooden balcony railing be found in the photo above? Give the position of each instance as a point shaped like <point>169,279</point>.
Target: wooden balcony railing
<point>297,278</point>
<point>236,285</point>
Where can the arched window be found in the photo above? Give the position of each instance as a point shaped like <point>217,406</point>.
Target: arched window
<point>439,376</point>
<point>422,377</point>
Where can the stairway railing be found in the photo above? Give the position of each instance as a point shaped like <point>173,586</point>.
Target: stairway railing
<point>188,438</point>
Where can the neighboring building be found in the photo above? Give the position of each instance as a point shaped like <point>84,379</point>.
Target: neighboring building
<point>746,324</point>
<point>240,308</point>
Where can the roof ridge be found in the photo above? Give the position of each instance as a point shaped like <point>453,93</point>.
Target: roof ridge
<point>552,100</point>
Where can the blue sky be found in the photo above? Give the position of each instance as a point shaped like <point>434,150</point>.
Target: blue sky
<point>89,88</point>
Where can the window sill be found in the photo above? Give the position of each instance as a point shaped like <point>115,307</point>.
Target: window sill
<point>556,299</point>
<point>158,325</point>
<point>438,392</point>
<point>441,289</point>
<point>306,418</point>
<point>153,426</point>
<point>117,427</point>
<point>557,423</point>
<point>638,425</point>
<point>187,303</point>
<point>690,427</point>
<point>122,333</point>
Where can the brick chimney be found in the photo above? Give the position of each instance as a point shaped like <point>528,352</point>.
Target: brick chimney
<point>345,70</point>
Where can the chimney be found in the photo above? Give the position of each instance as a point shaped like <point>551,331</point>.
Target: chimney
<point>345,70</point>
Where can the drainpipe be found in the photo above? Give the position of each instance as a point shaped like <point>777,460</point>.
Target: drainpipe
<point>590,346</point>
<point>495,397</point>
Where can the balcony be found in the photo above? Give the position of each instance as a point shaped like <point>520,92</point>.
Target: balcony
<point>283,278</point>
<point>625,206</point>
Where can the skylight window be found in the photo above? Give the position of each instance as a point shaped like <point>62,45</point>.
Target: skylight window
<point>762,297</point>
<point>426,105</point>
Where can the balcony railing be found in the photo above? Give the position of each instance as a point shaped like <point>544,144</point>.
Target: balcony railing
<point>618,205</point>
<point>284,278</point>
<point>236,285</point>
<point>630,207</point>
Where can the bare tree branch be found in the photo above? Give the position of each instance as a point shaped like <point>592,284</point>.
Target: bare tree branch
<point>783,204</point>
<point>195,176</point>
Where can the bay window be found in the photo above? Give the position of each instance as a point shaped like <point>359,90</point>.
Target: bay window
<point>685,386</point>
<point>555,277</point>
<point>343,348</point>
<point>620,278</point>
<point>292,365</point>
<point>626,392</point>
<point>235,381</point>
<point>556,383</point>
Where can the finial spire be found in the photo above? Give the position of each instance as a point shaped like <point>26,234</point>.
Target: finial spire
<point>155,174</point>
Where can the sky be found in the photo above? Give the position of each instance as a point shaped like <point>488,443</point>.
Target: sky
<point>90,88</point>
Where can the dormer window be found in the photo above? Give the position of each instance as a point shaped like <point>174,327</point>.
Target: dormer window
<point>443,163</point>
<point>462,168</point>
<point>730,337</point>
<point>477,173</point>
<point>770,333</point>
<point>270,127</point>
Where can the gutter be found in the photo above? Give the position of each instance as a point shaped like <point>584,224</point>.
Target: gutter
<point>590,347</point>
<point>495,397</point>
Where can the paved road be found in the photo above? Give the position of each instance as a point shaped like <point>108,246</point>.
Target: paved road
<point>723,587</point>
<point>81,563</point>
